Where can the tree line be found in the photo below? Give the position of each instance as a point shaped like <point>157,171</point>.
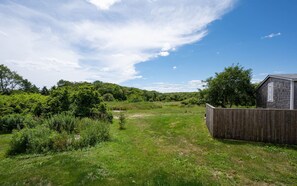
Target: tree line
<point>232,87</point>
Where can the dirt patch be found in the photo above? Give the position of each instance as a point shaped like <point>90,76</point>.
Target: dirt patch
<point>135,116</point>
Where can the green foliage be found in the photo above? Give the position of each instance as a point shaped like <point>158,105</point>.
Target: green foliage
<point>27,86</point>
<point>64,122</point>
<point>108,97</point>
<point>21,103</point>
<point>16,121</point>
<point>134,98</point>
<point>93,132</point>
<point>190,101</point>
<point>84,100</point>
<point>167,146</point>
<point>102,113</point>
<point>231,87</point>
<point>122,121</point>
<point>36,140</point>
<point>10,81</point>
<point>58,101</point>
<point>59,133</point>
<point>44,91</point>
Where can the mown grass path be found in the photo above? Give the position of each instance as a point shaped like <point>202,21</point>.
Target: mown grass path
<point>161,146</point>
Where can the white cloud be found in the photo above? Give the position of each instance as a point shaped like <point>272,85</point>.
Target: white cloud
<point>174,68</point>
<point>272,35</point>
<point>190,86</point>
<point>103,4</point>
<point>51,40</point>
<point>164,53</point>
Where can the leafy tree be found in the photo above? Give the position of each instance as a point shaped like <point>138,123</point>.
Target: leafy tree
<point>108,97</point>
<point>231,87</point>
<point>9,80</point>
<point>135,98</point>
<point>58,101</point>
<point>44,91</point>
<point>62,83</point>
<point>85,100</point>
<point>28,86</point>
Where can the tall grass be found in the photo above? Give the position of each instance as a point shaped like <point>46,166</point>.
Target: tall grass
<point>62,122</point>
<point>59,133</point>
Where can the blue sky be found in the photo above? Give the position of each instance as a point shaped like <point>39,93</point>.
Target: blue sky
<point>161,45</point>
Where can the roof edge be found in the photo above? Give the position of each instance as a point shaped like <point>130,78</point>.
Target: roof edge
<point>277,77</point>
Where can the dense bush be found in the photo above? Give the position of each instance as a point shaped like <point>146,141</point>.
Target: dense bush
<point>102,113</point>
<point>108,97</point>
<point>16,121</point>
<point>190,101</point>
<point>64,122</point>
<point>84,100</point>
<point>59,133</point>
<point>22,104</point>
<point>59,101</point>
<point>36,140</point>
<point>135,98</point>
<point>92,132</point>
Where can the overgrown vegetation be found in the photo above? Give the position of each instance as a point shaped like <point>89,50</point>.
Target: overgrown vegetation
<point>169,145</point>
<point>59,133</point>
<point>122,121</point>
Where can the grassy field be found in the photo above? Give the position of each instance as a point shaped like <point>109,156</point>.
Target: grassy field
<point>164,144</point>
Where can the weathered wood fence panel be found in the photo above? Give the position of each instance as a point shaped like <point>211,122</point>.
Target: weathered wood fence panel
<point>266,125</point>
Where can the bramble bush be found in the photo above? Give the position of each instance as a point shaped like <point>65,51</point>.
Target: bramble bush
<point>64,122</point>
<point>16,121</point>
<point>59,133</point>
<point>92,132</point>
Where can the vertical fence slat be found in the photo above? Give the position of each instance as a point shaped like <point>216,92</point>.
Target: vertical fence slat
<point>275,126</point>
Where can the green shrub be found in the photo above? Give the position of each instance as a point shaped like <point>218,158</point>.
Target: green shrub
<point>60,133</point>
<point>36,140</point>
<point>93,132</point>
<point>134,98</point>
<point>122,121</point>
<point>59,101</point>
<point>16,121</point>
<point>62,122</point>
<point>190,101</point>
<point>102,113</point>
<point>22,103</point>
<point>108,97</point>
<point>84,100</point>
<point>62,142</point>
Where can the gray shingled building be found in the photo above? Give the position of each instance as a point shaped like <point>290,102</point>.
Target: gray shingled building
<point>278,91</point>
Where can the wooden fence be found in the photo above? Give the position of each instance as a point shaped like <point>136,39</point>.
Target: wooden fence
<point>266,125</point>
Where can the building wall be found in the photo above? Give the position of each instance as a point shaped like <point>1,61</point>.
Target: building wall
<point>295,96</point>
<point>281,94</point>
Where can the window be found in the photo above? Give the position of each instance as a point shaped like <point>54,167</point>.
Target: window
<point>270,92</point>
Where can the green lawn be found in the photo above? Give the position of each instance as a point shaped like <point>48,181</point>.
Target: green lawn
<point>164,144</point>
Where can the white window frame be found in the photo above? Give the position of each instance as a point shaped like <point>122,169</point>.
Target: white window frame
<point>270,92</point>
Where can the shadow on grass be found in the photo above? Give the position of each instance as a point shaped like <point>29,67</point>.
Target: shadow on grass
<point>258,144</point>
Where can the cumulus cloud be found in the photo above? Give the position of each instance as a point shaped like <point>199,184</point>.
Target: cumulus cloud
<point>103,4</point>
<point>272,35</point>
<point>190,86</point>
<point>90,40</point>
<point>174,67</point>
